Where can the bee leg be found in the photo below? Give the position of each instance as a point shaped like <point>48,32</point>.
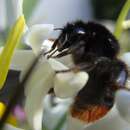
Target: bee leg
<point>81,67</point>
<point>63,53</point>
<point>51,55</point>
<point>66,52</point>
<point>63,71</point>
<point>53,47</point>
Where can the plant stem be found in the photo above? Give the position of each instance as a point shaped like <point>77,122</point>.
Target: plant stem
<point>121,18</point>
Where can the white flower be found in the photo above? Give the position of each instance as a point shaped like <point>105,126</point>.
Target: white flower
<point>18,60</point>
<point>41,80</point>
<point>71,84</point>
<point>123,104</point>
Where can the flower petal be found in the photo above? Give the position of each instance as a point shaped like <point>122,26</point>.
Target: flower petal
<point>40,82</point>
<point>123,104</point>
<point>7,53</point>
<point>34,105</point>
<point>41,72</point>
<point>36,88</point>
<point>126,58</point>
<point>74,124</point>
<point>37,34</point>
<point>68,84</point>
<point>54,113</point>
<point>19,62</point>
<point>21,59</point>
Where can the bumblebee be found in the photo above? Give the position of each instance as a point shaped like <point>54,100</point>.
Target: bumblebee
<point>94,49</point>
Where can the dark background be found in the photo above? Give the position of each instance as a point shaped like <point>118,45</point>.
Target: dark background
<point>107,9</point>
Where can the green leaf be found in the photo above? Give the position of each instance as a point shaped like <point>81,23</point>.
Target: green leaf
<point>28,7</point>
<point>7,53</point>
<point>121,18</point>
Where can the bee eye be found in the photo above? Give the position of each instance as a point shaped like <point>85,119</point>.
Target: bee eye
<point>79,30</point>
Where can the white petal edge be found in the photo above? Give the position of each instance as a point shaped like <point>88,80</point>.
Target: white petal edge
<point>36,35</point>
<point>68,84</point>
<point>123,104</point>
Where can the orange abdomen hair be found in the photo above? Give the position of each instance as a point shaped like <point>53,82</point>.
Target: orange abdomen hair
<point>90,113</point>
